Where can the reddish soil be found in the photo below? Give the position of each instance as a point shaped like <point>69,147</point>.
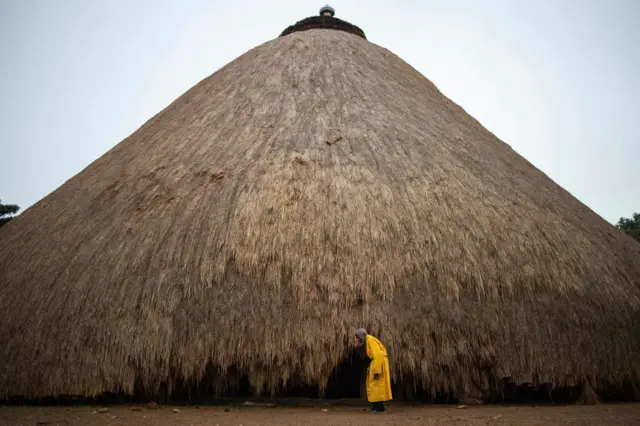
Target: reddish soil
<point>619,414</point>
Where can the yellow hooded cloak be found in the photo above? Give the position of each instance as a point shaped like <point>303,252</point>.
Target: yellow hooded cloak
<point>380,389</point>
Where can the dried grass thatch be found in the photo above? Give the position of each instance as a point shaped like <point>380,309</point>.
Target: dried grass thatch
<point>315,184</point>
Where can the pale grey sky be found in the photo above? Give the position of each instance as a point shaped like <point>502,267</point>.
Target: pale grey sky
<point>558,80</point>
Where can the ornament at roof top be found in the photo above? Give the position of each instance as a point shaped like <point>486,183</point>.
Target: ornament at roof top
<point>324,20</point>
<point>327,10</point>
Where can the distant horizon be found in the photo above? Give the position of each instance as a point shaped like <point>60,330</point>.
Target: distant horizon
<point>80,78</point>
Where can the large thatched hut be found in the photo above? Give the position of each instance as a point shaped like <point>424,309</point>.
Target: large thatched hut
<point>315,184</point>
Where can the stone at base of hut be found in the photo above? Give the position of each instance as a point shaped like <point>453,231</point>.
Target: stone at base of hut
<point>470,400</point>
<point>176,410</point>
<point>588,396</point>
<point>152,405</point>
<point>635,390</point>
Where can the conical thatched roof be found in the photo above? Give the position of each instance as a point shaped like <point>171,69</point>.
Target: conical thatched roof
<point>315,184</point>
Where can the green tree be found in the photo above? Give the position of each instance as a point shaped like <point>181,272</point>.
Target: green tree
<point>7,211</point>
<point>630,226</point>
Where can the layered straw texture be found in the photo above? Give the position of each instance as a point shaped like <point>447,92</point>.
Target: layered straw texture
<point>315,184</point>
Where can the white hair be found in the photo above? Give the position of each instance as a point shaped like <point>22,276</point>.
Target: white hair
<point>361,333</point>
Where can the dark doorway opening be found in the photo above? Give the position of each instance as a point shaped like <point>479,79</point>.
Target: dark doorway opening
<point>346,380</point>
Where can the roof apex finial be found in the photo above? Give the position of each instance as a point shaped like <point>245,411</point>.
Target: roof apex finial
<point>325,20</point>
<point>327,10</point>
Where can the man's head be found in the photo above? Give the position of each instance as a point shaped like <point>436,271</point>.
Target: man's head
<point>361,336</point>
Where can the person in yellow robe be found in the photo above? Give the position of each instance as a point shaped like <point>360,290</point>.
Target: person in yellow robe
<point>378,374</point>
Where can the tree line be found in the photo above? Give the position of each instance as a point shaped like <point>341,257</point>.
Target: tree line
<point>631,226</point>
<point>7,211</point>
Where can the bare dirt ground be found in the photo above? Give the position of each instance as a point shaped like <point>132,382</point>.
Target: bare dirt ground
<point>619,414</point>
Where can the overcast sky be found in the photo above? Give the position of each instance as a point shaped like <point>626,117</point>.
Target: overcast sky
<point>558,80</point>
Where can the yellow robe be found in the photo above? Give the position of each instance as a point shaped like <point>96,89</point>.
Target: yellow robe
<point>378,390</point>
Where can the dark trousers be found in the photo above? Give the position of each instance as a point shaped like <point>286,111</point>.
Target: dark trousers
<point>377,406</point>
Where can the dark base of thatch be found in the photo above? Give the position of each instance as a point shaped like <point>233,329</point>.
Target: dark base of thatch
<point>309,395</point>
<point>529,394</point>
<point>347,384</point>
